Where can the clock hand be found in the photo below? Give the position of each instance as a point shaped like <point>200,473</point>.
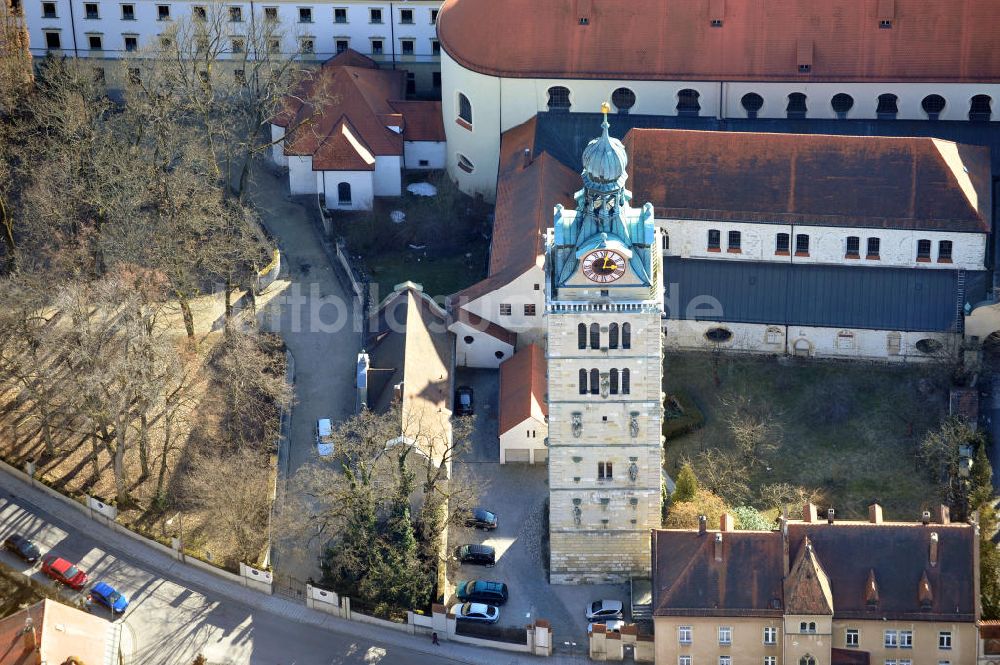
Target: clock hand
<point>606,266</point>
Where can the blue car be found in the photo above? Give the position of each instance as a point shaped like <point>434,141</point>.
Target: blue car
<point>106,595</point>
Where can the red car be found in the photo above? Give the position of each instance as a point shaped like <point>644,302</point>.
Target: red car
<point>63,571</point>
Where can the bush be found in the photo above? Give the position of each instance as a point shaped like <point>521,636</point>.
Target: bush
<point>686,486</point>
<point>684,515</point>
<point>749,518</point>
<point>680,416</point>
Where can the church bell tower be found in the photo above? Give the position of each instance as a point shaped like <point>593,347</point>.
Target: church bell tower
<point>604,303</point>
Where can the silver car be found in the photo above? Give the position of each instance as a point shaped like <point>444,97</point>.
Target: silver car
<point>477,612</point>
<point>599,610</point>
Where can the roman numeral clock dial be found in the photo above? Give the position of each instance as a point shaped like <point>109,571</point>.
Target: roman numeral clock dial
<point>603,266</point>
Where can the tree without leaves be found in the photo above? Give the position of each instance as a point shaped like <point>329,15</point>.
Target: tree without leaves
<point>779,495</point>
<point>721,473</point>
<point>753,427</point>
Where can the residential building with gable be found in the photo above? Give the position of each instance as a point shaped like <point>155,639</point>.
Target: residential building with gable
<point>524,425</point>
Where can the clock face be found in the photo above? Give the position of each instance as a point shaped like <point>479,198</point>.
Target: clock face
<point>603,266</point>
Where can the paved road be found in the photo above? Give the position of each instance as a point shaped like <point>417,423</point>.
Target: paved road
<point>177,612</point>
<point>306,316</point>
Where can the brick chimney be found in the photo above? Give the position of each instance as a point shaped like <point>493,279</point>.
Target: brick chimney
<point>702,525</point>
<point>809,513</point>
<point>718,547</point>
<point>934,548</point>
<point>925,517</point>
<point>527,157</point>
<point>875,513</point>
<point>942,515</point>
<point>830,512</point>
<point>726,523</point>
<point>29,638</point>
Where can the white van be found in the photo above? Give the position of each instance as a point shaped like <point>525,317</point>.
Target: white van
<point>324,436</point>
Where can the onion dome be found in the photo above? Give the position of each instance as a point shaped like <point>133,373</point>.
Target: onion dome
<point>604,158</point>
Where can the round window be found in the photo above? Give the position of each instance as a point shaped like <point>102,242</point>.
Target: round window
<point>499,354</point>
<point>623,99</point>
<point>928,345</point>
<point>718,335</point>
<point>468,339</point>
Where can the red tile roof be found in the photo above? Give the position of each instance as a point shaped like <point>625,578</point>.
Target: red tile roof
<point>492,329</point>
<point>863,181</point>
<point>59,632</point>
<point>758,40</point>
<point>343,150</point>
<point>527,191</point>
<point>523,387</point>
<point>422,120</point>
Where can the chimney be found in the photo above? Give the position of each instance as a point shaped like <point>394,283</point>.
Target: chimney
<point>726,523</point>
<point>875,513</point>
<point>934,548</point>
<point>718,547</point>
<point>829,515</point>
<point>30,640</point>
<point>527,157</point>
<point>942,515</point>
<point>702,525</point>
<point>925,517</point>
<point>809,513</point>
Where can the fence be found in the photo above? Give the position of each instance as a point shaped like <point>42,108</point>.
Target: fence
<point>511,634</point>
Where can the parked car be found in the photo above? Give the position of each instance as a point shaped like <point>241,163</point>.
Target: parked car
<point>483,555</point>
<point>324,436</point>
<point>480,518</point>
<point>105,594</point>
<point>599,610</point>
<point>464,402</point>
<point>478,612</point>
<point>482,591</point>
<point>610,626</point>
<point>22,547</point>
<point>63,571</point>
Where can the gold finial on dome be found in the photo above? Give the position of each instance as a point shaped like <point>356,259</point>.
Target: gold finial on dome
<point>605,108</point>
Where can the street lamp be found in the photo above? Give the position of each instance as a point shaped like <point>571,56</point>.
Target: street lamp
<point>180,532</point>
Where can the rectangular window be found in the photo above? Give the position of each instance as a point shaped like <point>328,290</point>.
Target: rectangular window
<point>131,43</point>
<point>885,24</point>
<point>684,660</point>
<point>944,251</point>
<point>529,310</point>
<point>406,46</point>
<point>406,16</point>
<point>801,244</point>
<point>274,45</point>
<point>735,240</point>
<point>684,634</point>
<point>411,83</point>
<point>923,250</point>
<point>49,11</point>
<point>199,13</point>
<point>134,76</point>
<point>52,40</point>
<point>239,76</point>
<point>162,12</point>
<point>605,471</point>
<point>944,639</point>
<point>434,16</point>
<point>853,247</point>
<point>770,635</point>
<point>236,14</point>
<point>376,47</point>
<point>851,637</point>
<point>435,47</point>
<point>781,244</point>
<point>725,660</point>
<point>95,42</point>
<point>505,309</point>
<point>90,10</point>
<point>128,12</point>
<point>891,640</point>
<point>436,80</point>
<point>342,45</point>
<point>340,15</point>
<point>238,45</point>
<point>873,247</point>
<point>271,14</point>
<point>305,15</point>
<point>905,661</point>
<point>714,240</point>
<point>374,15</point>
<point>906,639</point>
<point>308,45</point>
<point>725,635</point>
<point>890,661</point>
<point>770,660</point>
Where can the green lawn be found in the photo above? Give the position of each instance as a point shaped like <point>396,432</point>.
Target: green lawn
<point>439,276</point>
<point>849,429</point>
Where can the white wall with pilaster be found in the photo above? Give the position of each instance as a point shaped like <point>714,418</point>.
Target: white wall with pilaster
<point>362,189</point>
<point>301,177</point>
<point>528,435</point>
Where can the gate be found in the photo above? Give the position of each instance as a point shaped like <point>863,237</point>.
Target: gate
<point>288,586</point>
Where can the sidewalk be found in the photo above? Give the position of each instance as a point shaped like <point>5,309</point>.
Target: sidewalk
<point>140,556</point>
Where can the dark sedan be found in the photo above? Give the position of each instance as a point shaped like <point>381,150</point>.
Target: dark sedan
<point>22,547</point>
<point>464,401</point>
<point>480,518</point>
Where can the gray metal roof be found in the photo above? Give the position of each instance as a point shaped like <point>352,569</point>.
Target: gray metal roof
<point>904,299</point>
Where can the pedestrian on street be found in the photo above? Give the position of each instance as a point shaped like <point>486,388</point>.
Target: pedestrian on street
<point>434,639</point>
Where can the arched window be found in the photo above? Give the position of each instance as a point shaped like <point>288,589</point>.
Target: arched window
<point>464,108</point>
<point>623,99</point>
<point>807,660</point>
<point>887,107</point>
<point>933,105</point>
<point>614,381</point>
<point>842,103</point>
<point>796,105</point>
<point>344,193</point>
<point>581,336</point>
<point>626,381</point>
<point>583,382</point>
<point>687,102</point>
<point>665,241</point>
<point>626,335</point>
<point>752,103</point>
<point>595,382</point>
<point>595,336</point>
<point>613,336</point>
<point>465,164</point>
<point>981,107</point>
<point>559,98</point>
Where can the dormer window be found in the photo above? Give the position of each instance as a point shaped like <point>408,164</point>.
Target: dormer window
<point>885,24</point>
<point>716,23</point>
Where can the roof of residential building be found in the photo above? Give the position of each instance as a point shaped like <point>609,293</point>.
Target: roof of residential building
<point>688,579</point>
<point>344,115</point>
<point>840,40</point>
<point>843,181</point>
<point>59,632</point>
<point>818,295</point>
<point>409,346</point>
<point>807,587</point>
<point>477,322</point>
<point>523,388</point>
